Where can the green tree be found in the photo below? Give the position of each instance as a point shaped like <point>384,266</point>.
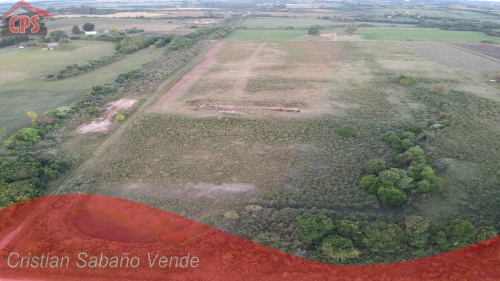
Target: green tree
<point>408,135</point>
<point>58,34</point>
<point>375,166</point>
<point>313,30</point>
<point>398,177</point>
<point>370,183</point>
<point>451,235</point>
<point>350,28</point>
<point>391,197</point>
<point>159,43</point>
<point>485,233</point>
<point>312,227</point>
<point>119,117</point>
<point>417,130</point>
<point>381,237</point>
<point>338,248</point>
<point>392,140</point>
<point>76,30</point>
<point>26,135</point>
<point>348,131</point>
<point>416,230</point>
<point>88,26</point>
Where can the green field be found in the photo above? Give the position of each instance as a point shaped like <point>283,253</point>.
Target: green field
<point>274,22</point>
<point>436,13</point>
<point>102,23</point>
<point>23,90</point>
<point>423,34</point>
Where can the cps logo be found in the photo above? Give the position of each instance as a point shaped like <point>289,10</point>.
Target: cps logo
<point>28,23</point>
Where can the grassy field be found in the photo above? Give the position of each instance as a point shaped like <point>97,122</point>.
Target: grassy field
<point>23,90</point>
<point>273,22</point>
<point>421,34</point>
<point>102,23</point>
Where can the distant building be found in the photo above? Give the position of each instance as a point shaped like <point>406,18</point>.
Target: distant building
<point>93,32</point>
<point>331,35</point>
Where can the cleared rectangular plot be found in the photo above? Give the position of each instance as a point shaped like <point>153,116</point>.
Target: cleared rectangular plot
<point>453,57</point>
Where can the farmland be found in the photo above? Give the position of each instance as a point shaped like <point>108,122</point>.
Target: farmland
<point>102,23</point>
<point>437,13</point>
<point>260,129</point>
<point>206,164</point>
<point>485,49</point>
<point>453,57</point>
<point>23,90</point>
<point>420,34</point>
<point>259,74</point>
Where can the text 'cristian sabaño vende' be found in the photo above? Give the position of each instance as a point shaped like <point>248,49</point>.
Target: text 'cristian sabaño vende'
<point>84,260</point>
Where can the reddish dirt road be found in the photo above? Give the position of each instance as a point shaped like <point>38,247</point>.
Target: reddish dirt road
<point>181,86</point>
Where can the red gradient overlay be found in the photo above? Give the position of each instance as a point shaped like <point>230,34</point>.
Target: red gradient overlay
<point>65,226</point>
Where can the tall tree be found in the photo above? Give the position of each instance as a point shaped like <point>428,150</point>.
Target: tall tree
<point>350,28</point>
<point>313,30</point>
<point>88,26</point>
<point>76,30</point>
<point>313,227</point>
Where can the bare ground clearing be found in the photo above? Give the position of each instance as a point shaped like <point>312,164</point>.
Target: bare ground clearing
<point>102,124</point>
<point>453,57</point>
<point>257,75</point>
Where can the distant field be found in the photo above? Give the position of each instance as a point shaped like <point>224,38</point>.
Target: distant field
<point>423,34</point>
<point>169,14</point>
<point>437,13</point>
<point>22,90</point>
<point>66,24</point>
<point>453,57</point>
<point>273,22</point>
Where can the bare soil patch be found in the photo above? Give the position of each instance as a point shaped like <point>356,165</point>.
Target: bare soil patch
<point>102,124</point>
<point>257,76</point>
<point>485,49</point>
<point>453,57</point>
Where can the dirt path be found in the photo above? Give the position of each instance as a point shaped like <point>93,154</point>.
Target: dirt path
<point>183,85</point>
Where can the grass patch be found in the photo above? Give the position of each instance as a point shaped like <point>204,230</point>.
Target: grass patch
<point>423,34</point>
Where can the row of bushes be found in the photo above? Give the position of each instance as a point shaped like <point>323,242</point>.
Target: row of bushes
<point>348,238</point>
<point>75,69</point>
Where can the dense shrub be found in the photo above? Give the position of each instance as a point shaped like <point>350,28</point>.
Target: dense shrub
<point>348,131</point>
